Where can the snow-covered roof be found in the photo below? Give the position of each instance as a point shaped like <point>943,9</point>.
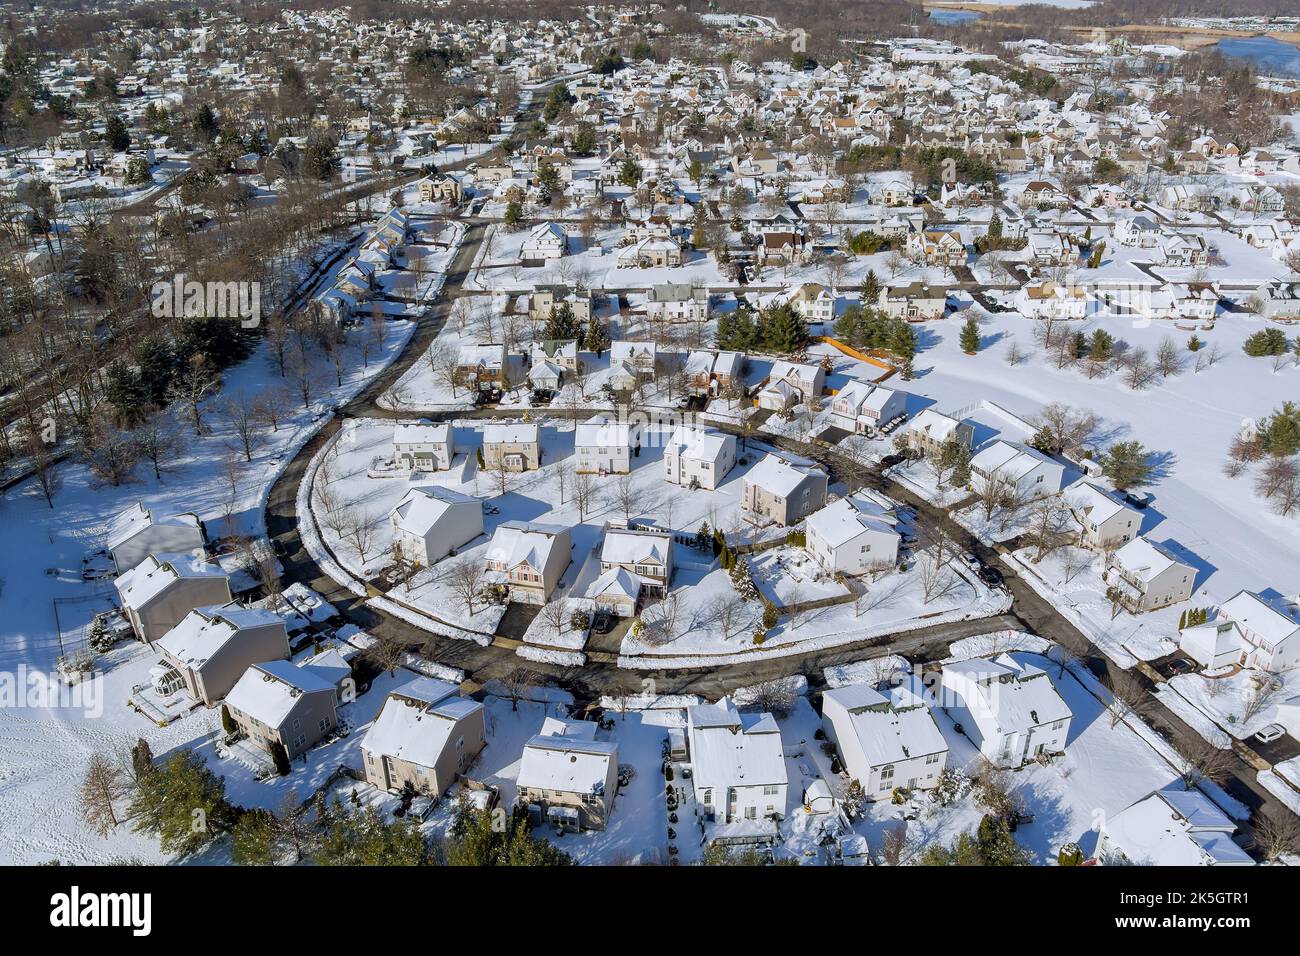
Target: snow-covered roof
<point>521,542</point>
<point>130,522</point>
<point>603,431</point>
<point>885,731</point>
<point>625,546</point>
<point>157,572</point>
<point>1015,695</point>
<point>847,518</point>
<point>733,749</point>
<point>1096,503</point>
<point>1272,621</point>
<point>699,444</point>
<point>511,433</point>
<point>1145,559</point>
<point>421,433</point>
<point>205,630</point>
<point>268,692</point>
<point>416,721</point>
<point>422,508</point>
<point>1175,828</point>
<point>1010,460</point>
<point>566,764</point>
<point>781,476</point>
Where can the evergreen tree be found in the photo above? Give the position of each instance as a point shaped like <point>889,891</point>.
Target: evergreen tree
<point>281,758</point>
<point>970,335</point>
<point>228,722</point>
<point>1101,347</point>
<point>1127,464</point>
<point>252,841</point>
<point>1266,342</point>
<point>596,339</point>
<point>182,803</point>
<point>116,135</point>
<point>870,291</point>
<point>1194,344</point>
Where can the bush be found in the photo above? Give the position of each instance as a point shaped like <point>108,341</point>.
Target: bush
<point>227,722</point>
<point>1266,342</point>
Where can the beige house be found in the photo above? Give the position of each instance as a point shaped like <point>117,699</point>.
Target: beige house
<point>545,298</point>
<point>439,188</point>
<point>528,559</point>
<point>569,776</point>
<point>646,555</point>
<point>513,446</point>
<point>137,533</point>
<point>1105,522</point>
<point>208,651</point>
<point>158,592</point>
<point>426,735</point>
<point>1147,576</point>
<point>783,488</point>
<point>277,701</point>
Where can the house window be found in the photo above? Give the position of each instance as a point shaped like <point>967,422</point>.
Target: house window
<point>751,813</point>
<point>324,724</point>
<point>706,797</point>
<point>770,790</point>
<point>932,758</point>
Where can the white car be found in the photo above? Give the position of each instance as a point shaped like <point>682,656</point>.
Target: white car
<point>1270,733</point>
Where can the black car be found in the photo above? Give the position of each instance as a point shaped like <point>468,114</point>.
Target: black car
<point>1179,666</point>
<point>991,576</point>
<point>603,622</point>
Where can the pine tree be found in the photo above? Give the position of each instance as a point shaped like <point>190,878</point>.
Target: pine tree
<point>227,722</point>
<point>1194,344</point>
<point>281,758</point>
<point>1126,464</point>
<point>870,292</point>
<point>597,339</point>
<point>252,841</point>
<point>970,336</point>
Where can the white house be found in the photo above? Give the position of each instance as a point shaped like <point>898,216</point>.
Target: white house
<point>425,735</point>
<point>1249,629</point>
<point>857,534</point>
<point>429,523</point>
<point>1015,466</point>
<point>1008,709</point>
<point>428,446</point>
<point>885,740</point>
<point>604,445</point>
<point>677,302</point>
<point>136,533</point>
<point>546,242</point>
<point>1171,828</point>
<point>698,456</point>
<point>1148,576</point>
<point>791,383</point>
<point>644,554</point>
<point>737,763</point>
<point>863,407</point>
<point>1105,520</point>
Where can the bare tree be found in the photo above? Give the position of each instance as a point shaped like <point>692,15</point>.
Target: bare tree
<point>158,441</point>
<point>1201,760</point>
<point>101,787</point>
<point>1277,833</point>
<point>777,697</point>
<point>585,495</point>
<point>625,496</point>
<point>1169,359</point>
<point>465,578</point>
<point>555,613</point>
<point>241,412</point>
<point>1049,528</point>
<point>517,683</point>
<point>1128,698</point>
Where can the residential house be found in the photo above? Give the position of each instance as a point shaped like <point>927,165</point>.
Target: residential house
<point>930,430</point>
<point>1023,471</point>
<point>737,764</point>
<point>439,188</point>
<point>783,488</point>
<point>528,559</point>
<point>209,650</point>
<point>1106,521</point>
<point>604,445</point>
<point>790,384</point>
<point>677,302</point>
<point>1008,708</point>
<point>482,367</point>
<point>569,775</point>
<point>864,407</point>
<point>713,373</point>
<point>278,702</point>
<point>545,243</point>
<point>1171,828</point>
<point>699,457</point>
<point>514,446</point>
<point>135,533</point>
<point>645,554</point>
<point>425,736</point>
<point>886,740</point>
<point>159,591</point>
<point>431,522</point>
<point>1250,630</point>
<point>426,446</point>
<point>856,535</point>
<point>915,302</point>
<point>1147,576</point>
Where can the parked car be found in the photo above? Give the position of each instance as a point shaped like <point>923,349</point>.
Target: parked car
<point>991,576</point>
<point>603,622</point>
<point>972,562</point>
<point>1179,666</point>
<point>1270,733</point>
